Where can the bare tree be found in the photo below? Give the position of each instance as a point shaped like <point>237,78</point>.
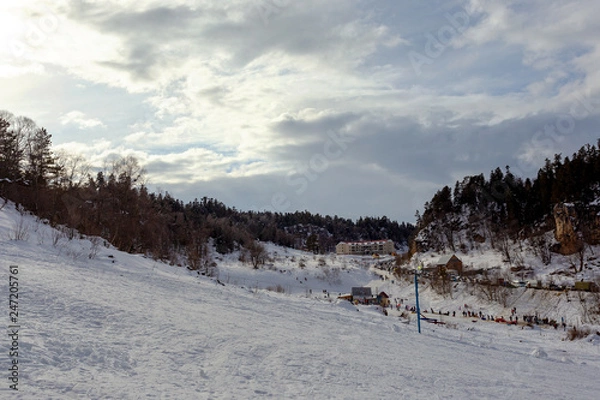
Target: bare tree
<point>491,288</point>
<point>577,259</point>
<point>20,229</point>
<point>198,256</point>
<point>129,167</point>
<point>441,282</point>
<point>581,255</point>
<point>24,127</point>
<point>74,169</point>
<point>505,247</point>
<point>594,307</point>
<point>258,253</point>
<point>450,226</point>
<point>542,249</point>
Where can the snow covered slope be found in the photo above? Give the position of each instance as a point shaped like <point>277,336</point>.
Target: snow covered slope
<point>121,326</point>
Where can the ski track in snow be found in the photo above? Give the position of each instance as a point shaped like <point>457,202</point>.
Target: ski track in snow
<point>138,329</point>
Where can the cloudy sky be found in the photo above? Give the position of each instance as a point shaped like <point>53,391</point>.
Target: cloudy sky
<point>340,107</point>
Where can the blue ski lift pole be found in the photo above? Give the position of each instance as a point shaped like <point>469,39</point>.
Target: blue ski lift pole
<point>417,271</point>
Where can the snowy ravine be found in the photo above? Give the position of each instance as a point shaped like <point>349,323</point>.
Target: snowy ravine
<point>121,326</point>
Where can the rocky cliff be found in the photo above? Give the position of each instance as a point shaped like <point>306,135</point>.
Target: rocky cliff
<point>575,227</point>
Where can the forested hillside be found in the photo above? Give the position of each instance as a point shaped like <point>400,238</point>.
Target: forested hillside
<point>115,204</point>
<point>565,195</point>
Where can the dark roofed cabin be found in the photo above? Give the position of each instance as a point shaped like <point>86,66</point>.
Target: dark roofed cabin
<point>383,299</point>
<point>450,262</point>
<point>362,295</point>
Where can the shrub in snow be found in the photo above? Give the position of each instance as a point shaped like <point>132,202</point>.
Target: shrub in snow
<point>574,333</point>
<point>20,230</point>
<point>277,289</point>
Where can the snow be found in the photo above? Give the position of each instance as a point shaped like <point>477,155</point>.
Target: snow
<point>122,326</point>
<point>557,305</point>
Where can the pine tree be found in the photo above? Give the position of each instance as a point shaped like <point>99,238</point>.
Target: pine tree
<point>11,155</point>
<point>41,165</point>
<point>312,243</point>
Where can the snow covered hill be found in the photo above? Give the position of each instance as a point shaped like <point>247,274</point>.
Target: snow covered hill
<point>96,323</point>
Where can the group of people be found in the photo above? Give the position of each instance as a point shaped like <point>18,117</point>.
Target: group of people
<point>512,319</point>
<point>534,319</point>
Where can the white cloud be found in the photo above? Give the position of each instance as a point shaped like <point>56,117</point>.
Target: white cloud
<point>13,71</point>
<point>226,90</point>
<point>80,120</point>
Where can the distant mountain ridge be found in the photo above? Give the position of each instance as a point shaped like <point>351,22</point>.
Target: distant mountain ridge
<point>115,204</point>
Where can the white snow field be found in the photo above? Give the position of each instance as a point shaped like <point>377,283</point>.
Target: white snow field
<point>121,326</point>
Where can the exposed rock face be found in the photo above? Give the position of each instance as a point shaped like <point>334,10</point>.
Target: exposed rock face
<point>574,227</point>
<point>565,219</point>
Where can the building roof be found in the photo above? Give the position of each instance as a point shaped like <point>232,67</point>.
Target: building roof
<point>445,259</point>
<point>362,291</point>
<point>368,241</point>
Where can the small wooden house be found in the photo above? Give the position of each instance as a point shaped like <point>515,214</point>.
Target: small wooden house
<point>362,295</point>
<point>450,262</point>
<point>383,299</point>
